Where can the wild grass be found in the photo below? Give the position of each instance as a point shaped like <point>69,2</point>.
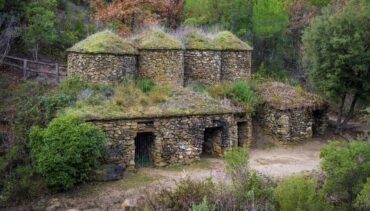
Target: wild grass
<point>240,92</point>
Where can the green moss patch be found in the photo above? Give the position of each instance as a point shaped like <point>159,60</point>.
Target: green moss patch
<point>104,42</point>
<point>228,41</point>
<point>195,40</point>
<point>156,39</point>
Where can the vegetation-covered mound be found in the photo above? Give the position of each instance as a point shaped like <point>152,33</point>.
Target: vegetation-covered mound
<point>104,42</point>
<point>228,41</point>
<point>143,99</point>
<point>155,38</point>
<point>283,96</point>
<point>195,40</point>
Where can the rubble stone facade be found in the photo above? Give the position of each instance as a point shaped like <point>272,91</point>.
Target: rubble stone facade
<point>101,68</point>
<point>293,125</point>
<point>177,139</point>
<point>163,66</point>
<point>202,66</point>
<point>235,64</point>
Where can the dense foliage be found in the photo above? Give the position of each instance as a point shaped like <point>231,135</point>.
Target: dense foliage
<point>346,166</point>
<point>66,152</point>
<point>338,56</point>
<point>299,193</point>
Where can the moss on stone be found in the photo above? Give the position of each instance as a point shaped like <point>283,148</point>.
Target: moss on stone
<point>195,40</point>
<point>104,42</point>
<point>156,39</point>
<point>228,41</point>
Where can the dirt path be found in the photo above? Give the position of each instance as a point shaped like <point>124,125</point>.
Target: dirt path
<point>277,161</point>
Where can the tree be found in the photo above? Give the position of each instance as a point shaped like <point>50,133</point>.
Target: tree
<point>169,10</point>
<point>131,14</point>
<point>346,166</point>
<point>270,24</point>
<point>40,30</point>
<point>337,55</point>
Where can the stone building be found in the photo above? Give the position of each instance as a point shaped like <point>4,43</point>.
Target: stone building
<point>235,57</point>
<point>202,59</point>
<point>103,57</point>
<point>176,139</point>
<point>290,114</point>
<point>161,57</point>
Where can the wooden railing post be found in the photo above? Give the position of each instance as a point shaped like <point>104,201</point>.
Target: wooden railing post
<point>25,68</point>
<point>57,71</point>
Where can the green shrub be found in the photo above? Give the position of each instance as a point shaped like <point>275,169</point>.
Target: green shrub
<point>66,152</point>
<point>145,85</point>
<point>240,92</point>
<point>299,193</point>
<point>346,166</point>
<point>204,206</point>
<point>71,86</point>
<point>251,189</point>
<point>363,198</point>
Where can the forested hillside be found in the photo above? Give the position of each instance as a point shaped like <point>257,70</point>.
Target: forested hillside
<point>306,62</point>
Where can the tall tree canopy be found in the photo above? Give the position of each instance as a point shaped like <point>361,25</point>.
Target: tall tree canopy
<point>337,54</point>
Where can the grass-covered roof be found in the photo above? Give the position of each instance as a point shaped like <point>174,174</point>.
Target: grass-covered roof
<point>228,41</point>
<point>156,39</point>
<point>283,96</point>
<point>129,101</point>
<point>195,40</point>
<point>104,42</point>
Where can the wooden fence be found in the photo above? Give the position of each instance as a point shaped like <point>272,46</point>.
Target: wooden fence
<point>54,69</point>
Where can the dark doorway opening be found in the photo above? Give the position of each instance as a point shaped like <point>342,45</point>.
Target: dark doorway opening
<point>143,149</point>
<point>243,132</point>
<point>317,122</point>
<point>212,142</point>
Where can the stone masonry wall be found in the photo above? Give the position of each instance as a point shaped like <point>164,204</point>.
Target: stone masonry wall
<point>177,139</point>
<point>235,65</point>
<point>287,125</point>
<point>101,68</point>
<point>162,66</point>
<point>203,66</point>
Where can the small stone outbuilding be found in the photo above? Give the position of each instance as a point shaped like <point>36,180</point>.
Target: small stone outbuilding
<point>202,59</point>
<point>235,57</point>
<point>161,57</point>
<point>102,58</point>
<point>176,139</point>
<point>289,114</point>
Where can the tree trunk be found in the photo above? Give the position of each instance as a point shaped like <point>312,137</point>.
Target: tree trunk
<point>339,119</point>
<point>350,112</point>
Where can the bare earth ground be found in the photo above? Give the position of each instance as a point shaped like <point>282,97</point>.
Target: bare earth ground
<point>274,161</point>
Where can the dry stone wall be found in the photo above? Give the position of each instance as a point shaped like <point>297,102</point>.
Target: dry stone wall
<point>162,66</point>
<point>236,65</point>
<point>291,125</point>
<point>177,139</point>
<point>202,66</point>
<point>101,68</point>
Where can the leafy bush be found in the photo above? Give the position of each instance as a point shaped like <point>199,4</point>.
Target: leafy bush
<point>145,85</point>
<point>251,189</point>
<point>299,193</point>
<point>363,198</point>
<point>346,166</point>
<point>240,92</point>
<point>66,152</point>
<point>204,206</point>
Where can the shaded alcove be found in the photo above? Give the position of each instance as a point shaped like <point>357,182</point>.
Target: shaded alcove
<point>143,149</point>
<point>212,142</point>
<point>243,132</point>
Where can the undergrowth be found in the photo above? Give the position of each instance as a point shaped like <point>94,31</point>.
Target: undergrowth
<point>240,92</point>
